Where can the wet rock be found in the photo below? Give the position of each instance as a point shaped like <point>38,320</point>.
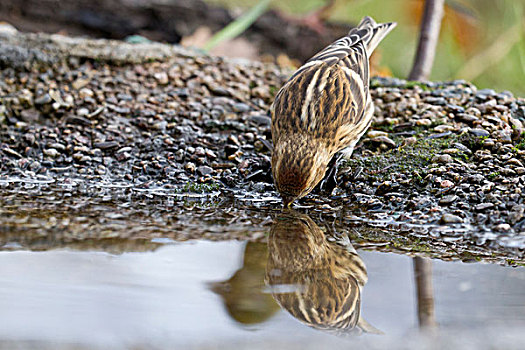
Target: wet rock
<point>450,219</point>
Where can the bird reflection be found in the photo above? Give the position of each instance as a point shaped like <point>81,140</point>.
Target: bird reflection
<point>242,293</point>
<point>316,281</point>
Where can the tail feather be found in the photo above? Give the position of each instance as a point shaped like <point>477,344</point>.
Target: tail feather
<point>371,32</point>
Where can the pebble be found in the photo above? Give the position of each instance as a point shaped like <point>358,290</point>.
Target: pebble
<point>376,133</point>
<point>503,227</point>
<point>450,219</point>
<point>442,158</point>
<point>204,170</point>
<point>446,184</point>
<point>424,122</point>
<point>479,132</point>
<point>162,78</point>
<point>449,199</point>
<point>484,206</point>
<point>193,120</point>
<point>51,152</point>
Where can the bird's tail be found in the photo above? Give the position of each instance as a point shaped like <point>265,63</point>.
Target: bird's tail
<point>371,32</point>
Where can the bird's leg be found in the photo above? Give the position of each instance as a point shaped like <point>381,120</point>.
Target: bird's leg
<point>329,182</point>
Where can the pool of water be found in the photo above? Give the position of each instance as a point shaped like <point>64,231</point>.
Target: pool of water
<point>297,288</point>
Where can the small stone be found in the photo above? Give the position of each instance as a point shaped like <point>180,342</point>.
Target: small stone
<point>44,99</point>
<point>80,83</point>
<point>462,148</point>
<point>449,199</point>
<point>484,206</point>
<point>451,219</point>
<point>190,167</point>
<point>424,122</point>
<point>502,136</point>
<point>466,118</point>
<point>443,128</point>
<point>520,170</point>
<point>30,115</point>
<point>122,156</point>
<point>124,149</point>
<point>489,143</point>
<point>376,133</point>
<point>57,146</point>
<point>51,152</point>
<point>479,132</point>
<point>85,92</point>
<point>162,78</point>
<point>384,140</point>
<point>503,227</point>
<point>514,161</point>
<point>106,145</point>
<point>446,184</point>
<point>261,120</point>
<point>82,112</point>
<point>204,170</point>
<point>442,158</point>
<point>210,154</point>
<point>240,107</point>
<point>409,141</point>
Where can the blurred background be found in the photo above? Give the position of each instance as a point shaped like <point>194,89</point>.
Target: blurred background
<point>482,41</point>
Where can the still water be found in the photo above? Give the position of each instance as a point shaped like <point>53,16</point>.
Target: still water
<point>300,289</point>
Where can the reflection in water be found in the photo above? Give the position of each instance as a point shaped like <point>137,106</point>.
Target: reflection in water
<point>242,294</point>
<point>424,293</point>
<point>316,281</point>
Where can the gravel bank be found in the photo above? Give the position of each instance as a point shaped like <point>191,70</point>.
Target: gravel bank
<point>95,121</point>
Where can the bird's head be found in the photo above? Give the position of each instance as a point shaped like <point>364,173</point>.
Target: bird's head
<point>297,167</point>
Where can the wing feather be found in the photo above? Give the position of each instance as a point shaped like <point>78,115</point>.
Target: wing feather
<point>326,98</point>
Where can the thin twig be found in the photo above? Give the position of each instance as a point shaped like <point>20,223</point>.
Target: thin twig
<point>428,38</point>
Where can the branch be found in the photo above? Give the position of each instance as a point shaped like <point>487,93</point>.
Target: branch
<point>428,38</point>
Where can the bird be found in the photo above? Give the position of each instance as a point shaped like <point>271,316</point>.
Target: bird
<point>243,293</point>
<point>324,108</point>
<point>317,281</point>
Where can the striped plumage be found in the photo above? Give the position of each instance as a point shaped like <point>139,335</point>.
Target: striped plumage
<point>316,281</point>
<point>324,108</point>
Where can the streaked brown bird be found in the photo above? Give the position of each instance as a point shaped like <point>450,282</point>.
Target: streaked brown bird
<point>324,108</point>
<point>318,282</point>
<point>242,293</point>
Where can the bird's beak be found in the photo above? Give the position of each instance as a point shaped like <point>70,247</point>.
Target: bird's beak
<point>287,201</point>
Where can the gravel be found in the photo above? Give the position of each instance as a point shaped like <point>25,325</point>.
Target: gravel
<point>441,160</point>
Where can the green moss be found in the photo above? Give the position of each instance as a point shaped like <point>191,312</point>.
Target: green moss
<point>521,144</point>
<point>413,83</point>
<point>192,187</point>
<point>412,160</point>
<point>273,90</point>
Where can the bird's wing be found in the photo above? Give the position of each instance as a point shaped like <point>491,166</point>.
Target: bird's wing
<point>328,91</point>
<point>328,96</point>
